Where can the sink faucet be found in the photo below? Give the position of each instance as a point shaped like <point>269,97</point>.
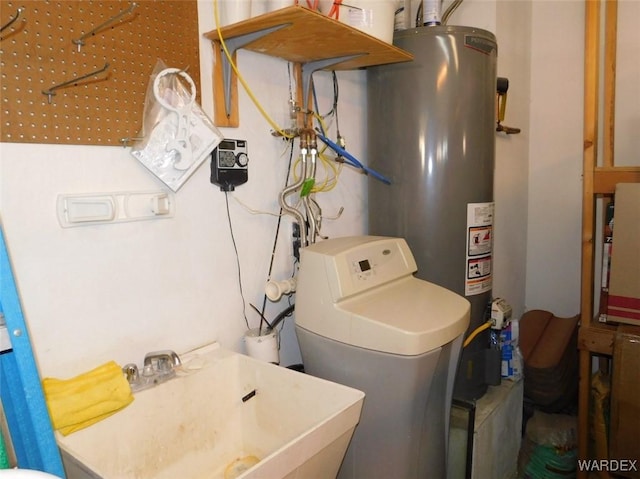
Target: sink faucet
<point>131,373</point>
<point>158,367</point>
<point>161,361</point>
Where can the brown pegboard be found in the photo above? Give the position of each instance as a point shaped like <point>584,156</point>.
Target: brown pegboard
<point>37,52</point>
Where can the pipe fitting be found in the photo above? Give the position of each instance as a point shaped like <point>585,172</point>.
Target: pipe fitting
<point>276,289</point>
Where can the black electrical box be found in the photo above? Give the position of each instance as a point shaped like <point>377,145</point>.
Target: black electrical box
<point>230,164</point>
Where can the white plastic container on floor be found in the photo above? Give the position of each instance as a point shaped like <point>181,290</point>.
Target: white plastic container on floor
<point>263,344</point>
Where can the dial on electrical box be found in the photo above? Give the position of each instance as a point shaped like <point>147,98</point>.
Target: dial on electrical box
<point>229,164</point>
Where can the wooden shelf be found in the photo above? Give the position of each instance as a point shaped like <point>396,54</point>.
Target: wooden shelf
<point>605,179</point>
<point>303,37</point>
<point>595,338</point>
<point>311,36</point>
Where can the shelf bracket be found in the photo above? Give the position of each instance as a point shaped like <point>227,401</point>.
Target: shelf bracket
<point>309,68</point>
<point>233,45</point>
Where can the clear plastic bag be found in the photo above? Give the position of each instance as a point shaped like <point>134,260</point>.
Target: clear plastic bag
<point>177,134</point>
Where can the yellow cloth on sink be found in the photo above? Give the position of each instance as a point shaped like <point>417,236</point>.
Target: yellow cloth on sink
<point>86,399</point>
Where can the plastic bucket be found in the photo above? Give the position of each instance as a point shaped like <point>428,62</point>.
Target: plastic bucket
<point>278,4</point>
<point>263,345</point>
<point>374,17</point>
<point>259,7</point>
<point>233,11</point>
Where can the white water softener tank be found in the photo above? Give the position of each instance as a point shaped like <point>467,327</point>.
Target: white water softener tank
<point>364,320</point>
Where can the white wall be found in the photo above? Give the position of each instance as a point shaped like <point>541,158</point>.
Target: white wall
<point>117,291</point>
<point>538,189</point>
<point>627,140</point>
<point>555,157</point>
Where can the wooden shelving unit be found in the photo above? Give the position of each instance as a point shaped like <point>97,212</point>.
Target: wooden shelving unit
<point>600,176</point>
<point>296,34</point>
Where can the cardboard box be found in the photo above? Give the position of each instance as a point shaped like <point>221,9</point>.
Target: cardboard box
<point>625,401</point>
<point>623,304</point>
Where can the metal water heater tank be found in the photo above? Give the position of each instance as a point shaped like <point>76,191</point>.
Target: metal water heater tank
<point>432,132</point>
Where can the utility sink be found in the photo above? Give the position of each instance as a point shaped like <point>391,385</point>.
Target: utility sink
<point>225,415</point>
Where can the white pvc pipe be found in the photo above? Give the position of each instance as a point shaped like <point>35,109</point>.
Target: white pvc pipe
<point>276,289</point>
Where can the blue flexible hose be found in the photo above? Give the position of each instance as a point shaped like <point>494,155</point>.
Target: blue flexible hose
<point>353,161</point>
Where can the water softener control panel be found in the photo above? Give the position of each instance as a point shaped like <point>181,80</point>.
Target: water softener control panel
<point>375,263</point>
<point>353,265</point>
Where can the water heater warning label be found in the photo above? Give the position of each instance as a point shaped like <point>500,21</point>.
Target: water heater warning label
<point>479,248</point>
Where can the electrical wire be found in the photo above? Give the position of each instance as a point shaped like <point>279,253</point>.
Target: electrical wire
<point>255,101</point>
<point>262,319</point>
<point>330,179</point>
<point>283,314</point>
<point>235,248</point>
<point>315,104</point>
<point>334,104</point>
<point>254,211</point>
<point>314,4</point>
<point>331,168</point>
<point>289,310</point>
<point>336,94</point>
<point>475,332</point>
<point>275,239</point>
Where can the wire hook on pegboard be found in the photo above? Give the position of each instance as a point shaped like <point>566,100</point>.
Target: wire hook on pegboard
<point>12,21</point>
<point>51,91</point>
<point>81,41</point>
<point>104,108</point>
<point>130,139</point>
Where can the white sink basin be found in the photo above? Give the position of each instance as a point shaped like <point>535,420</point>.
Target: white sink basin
<point>225,413</point>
